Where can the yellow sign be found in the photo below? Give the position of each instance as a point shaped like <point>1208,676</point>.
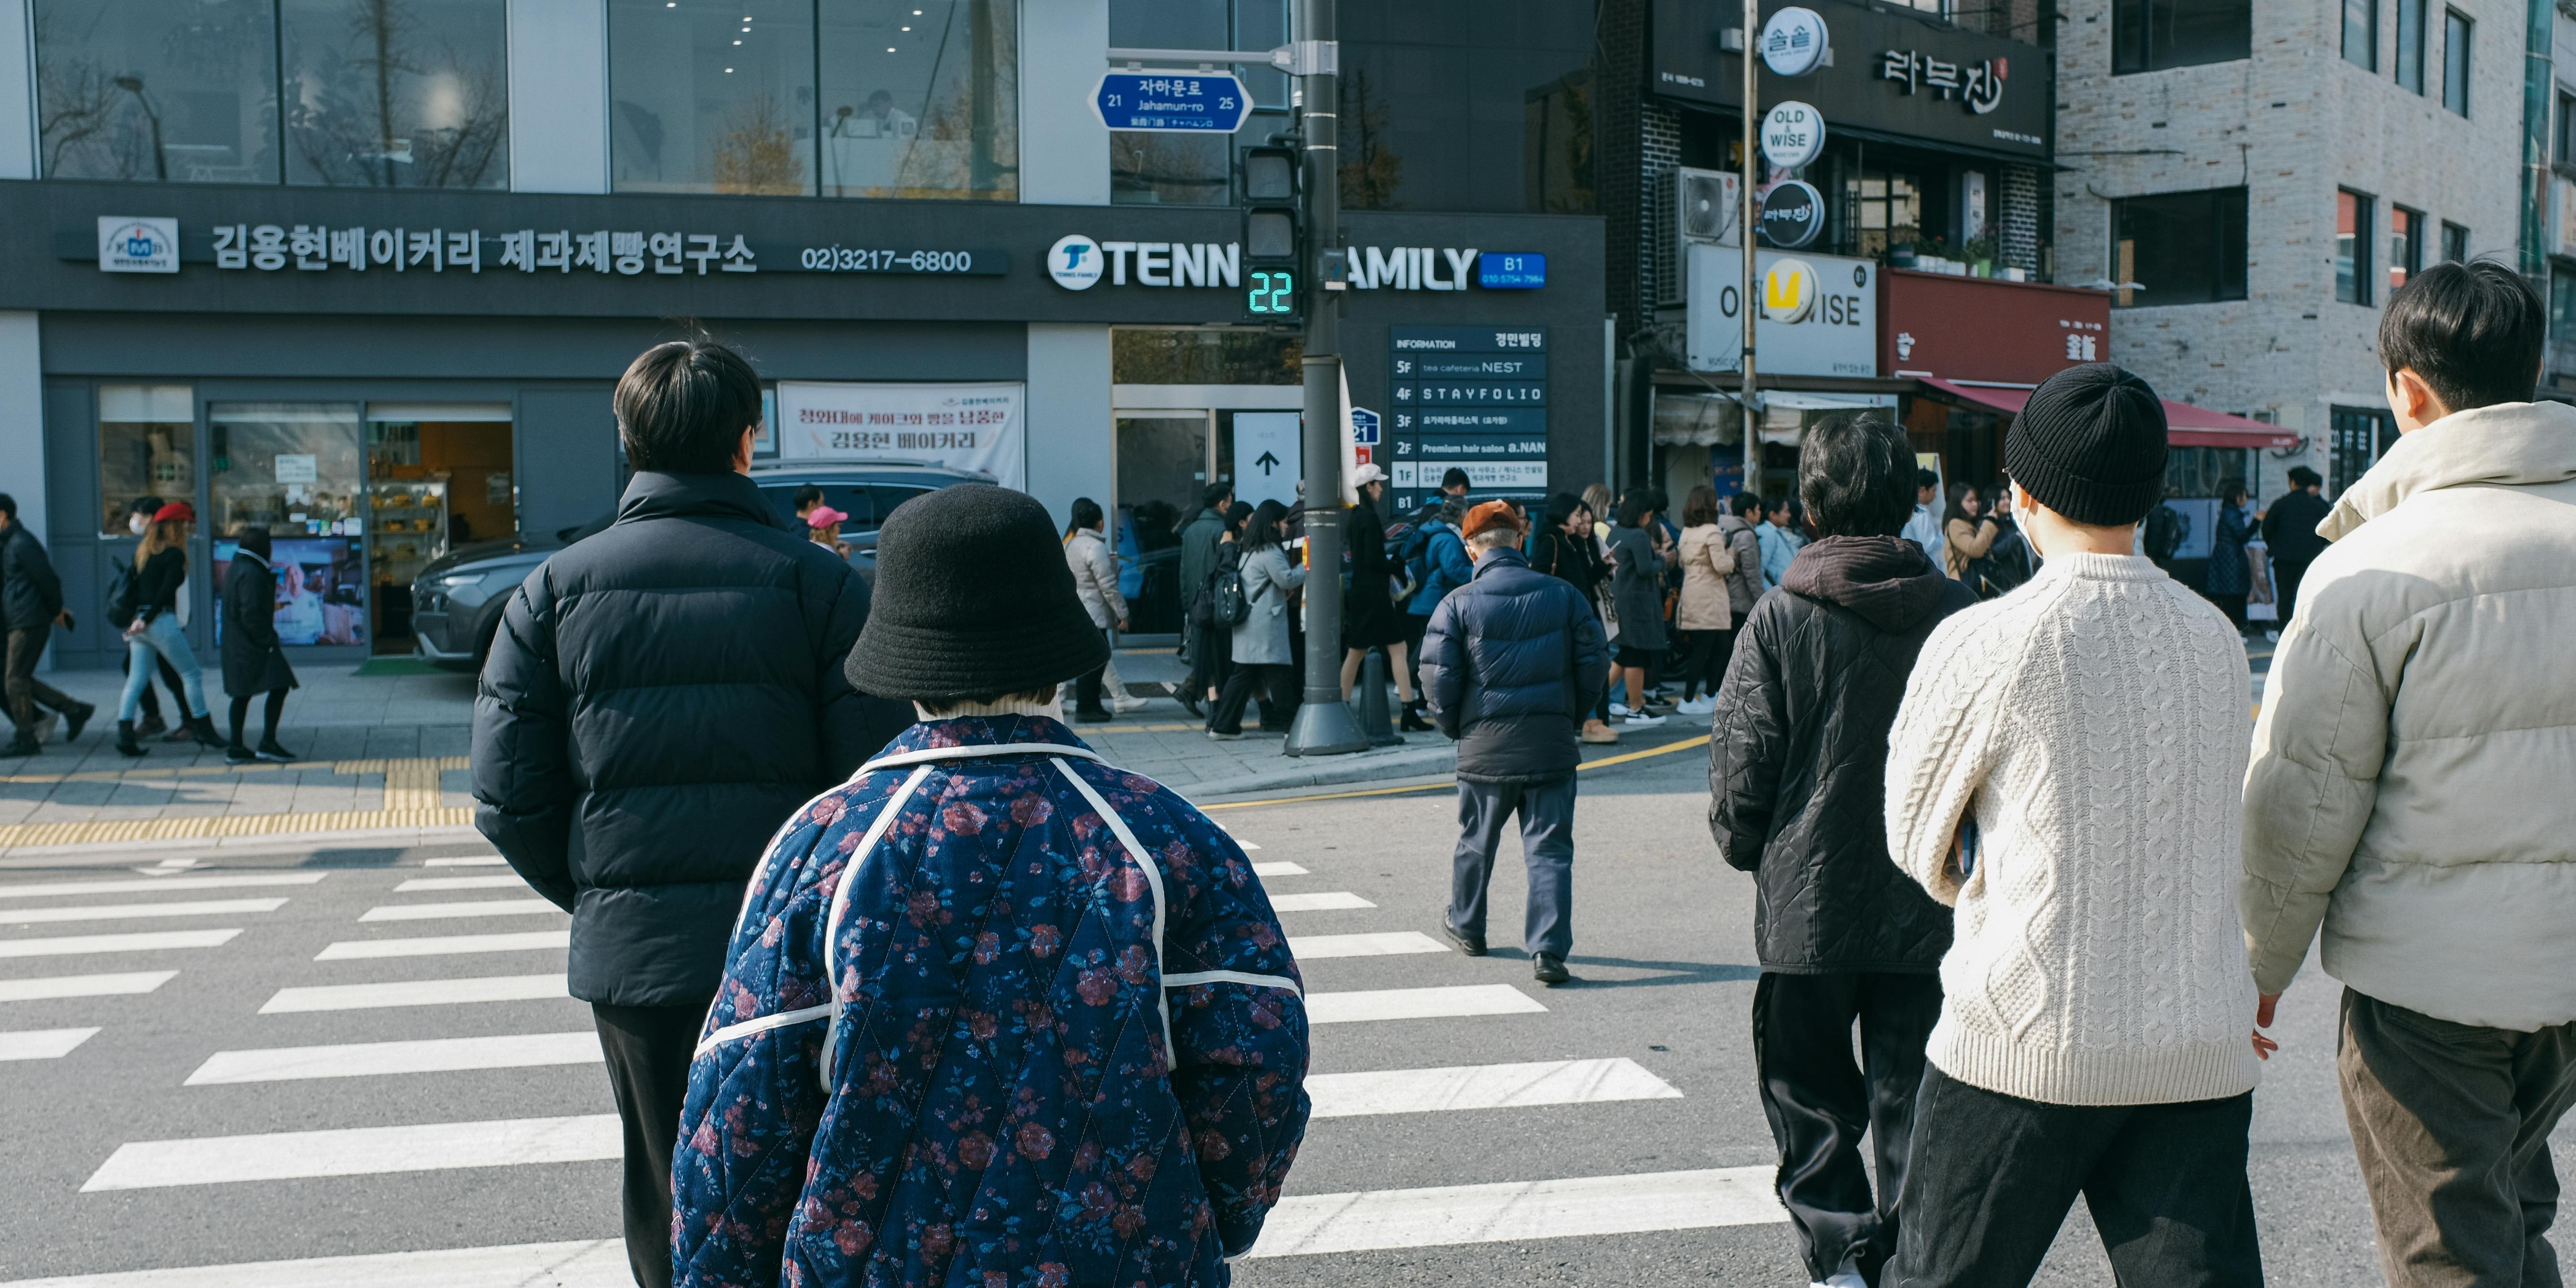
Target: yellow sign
<point>1789,290</point>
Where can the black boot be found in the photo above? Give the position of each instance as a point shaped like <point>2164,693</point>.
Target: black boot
<point>76,720</point>
<point>24,744</point>
<point>1413,721</point>
<point>125,743</point>
<point>203,728</point>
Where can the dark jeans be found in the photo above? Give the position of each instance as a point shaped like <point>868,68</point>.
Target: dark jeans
<point>1547,849</point>
<point>241,712</point>
<point>648,1049</point>
<point>2451,1123</point>
<point>24,691</point>
<point>1279,682</point>
<point>169,680</point>
<point>1991,1178</point>
<point>1414,627</point>
<point>1703,663</point>
<point>1819,1102</point>
<point>2288,575</point>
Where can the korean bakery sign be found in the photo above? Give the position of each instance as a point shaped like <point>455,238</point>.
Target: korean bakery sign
<point>318,248</point>
<point>1896,74</point>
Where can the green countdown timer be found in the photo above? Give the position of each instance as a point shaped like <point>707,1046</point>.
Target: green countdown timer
<point>1273,293</point>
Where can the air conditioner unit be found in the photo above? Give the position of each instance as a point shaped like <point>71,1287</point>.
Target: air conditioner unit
<point>1709,203</point>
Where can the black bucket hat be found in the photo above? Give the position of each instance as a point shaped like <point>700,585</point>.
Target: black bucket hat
<point>973,600</point>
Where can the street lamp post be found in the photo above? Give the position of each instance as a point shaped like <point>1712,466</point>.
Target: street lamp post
<point>1745,396</point>
<point>1323,725</point>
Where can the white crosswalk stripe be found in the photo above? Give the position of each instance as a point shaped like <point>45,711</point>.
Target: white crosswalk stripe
<point>423,885</point>
<point>412,992</point>
<point>1305,1225</point>
<point>1327,901</point>
<point>444,945</point>
<point>423,1055</point>
<point>160,885</point>
<point>581,1263</point>
<point>139,942</point>
<point>130,911</point>
<point>1278,868</point>
<point>1484,1086</point>
<point>1419,1003</point>
<point>42,1044</point>
<point>1385,943</point>
<point>472,908</point>
<point>32,990</point>
<point>358,1151</point>
<point>467,861</point>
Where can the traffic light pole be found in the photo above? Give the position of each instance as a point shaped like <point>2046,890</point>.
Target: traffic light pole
<point>1324,725</point>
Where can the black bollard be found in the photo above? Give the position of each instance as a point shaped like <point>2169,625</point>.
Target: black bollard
<point>1368,705</point>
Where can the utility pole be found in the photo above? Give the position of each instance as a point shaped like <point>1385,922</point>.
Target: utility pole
<point>1745,397</point>
<point>1324,726</point>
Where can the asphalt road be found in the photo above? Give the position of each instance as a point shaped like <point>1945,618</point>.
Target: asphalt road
<point>1641,1069</point>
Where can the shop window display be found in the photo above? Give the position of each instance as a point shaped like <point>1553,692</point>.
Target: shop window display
<point>294,468</point>
<point>396,93</point>
<point>178,91</point>
<point>147,437</point>
<point>711,96</point>
<point>920,98</point>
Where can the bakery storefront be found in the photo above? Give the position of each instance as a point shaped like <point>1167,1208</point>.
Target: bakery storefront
<point>379,377</point>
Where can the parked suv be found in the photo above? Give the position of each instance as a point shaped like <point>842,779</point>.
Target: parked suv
<point>457,599</point>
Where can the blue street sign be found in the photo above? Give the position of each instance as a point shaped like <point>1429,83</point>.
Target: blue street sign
<point>1172,102</point>
<point>1511,270</point>
<point>1364,427</point>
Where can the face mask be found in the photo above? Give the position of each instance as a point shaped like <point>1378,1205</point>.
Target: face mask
<point>135,521</point>
<point>2029,532</point>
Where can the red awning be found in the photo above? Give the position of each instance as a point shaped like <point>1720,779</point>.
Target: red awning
<point>2185,424</point>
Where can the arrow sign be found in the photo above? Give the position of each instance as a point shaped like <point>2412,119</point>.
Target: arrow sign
<point>1267,462</point>
<point>1172,102</point>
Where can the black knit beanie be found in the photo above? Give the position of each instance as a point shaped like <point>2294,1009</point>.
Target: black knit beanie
<point>2090,444</point>
<point>973,600</point>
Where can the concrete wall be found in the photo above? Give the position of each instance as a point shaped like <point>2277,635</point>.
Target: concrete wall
<point>2293,123</point>
<point>1064,149</point>
<point>1071,450</point>
<point>17,92</point>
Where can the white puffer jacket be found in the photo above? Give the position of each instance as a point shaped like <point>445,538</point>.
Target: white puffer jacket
<point>2413,783</point>
<point>1095,577</point>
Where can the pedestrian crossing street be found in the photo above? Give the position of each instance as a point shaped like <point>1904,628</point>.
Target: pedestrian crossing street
<point>476,1001</point>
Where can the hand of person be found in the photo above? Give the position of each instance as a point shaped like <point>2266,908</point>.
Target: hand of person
<point>135,627</point>
<point>2263,1008</point>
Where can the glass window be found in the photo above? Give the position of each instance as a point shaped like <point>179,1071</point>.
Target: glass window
<point>856,500</point>
<point>147,439</point>
<point>1196,169</point>
<point>1472,105</point>
<point>2410,44</point>
<point>2352,248</point>
<point>1204,356</point>
<point>1885,209</point>
<point>921,98</point>
<point>2151,35</point>
<point>2405,245</point>
<point>712,96</point>
<point>2456,31</point>
<point>2180,247</point>
<point>2361,33</point>
<point>397,93</point>
<point>2563,147</point>
<point>2455,243</point>
<point>293,468</point>
<point>2562,302</point>
<point>176,90</point>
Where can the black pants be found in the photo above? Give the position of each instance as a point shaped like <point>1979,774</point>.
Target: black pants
<point>1414,627</point>
<point>1086,690</point>
<point>648,1050</point>
<point>1992,1176</point>
<point>241,711</point>
<point>1819,1102</point>
<point>2233,606</point>
<point>2287,576</point>
<point>24,691</point>
<point>169,680</point>
<point>1280,682</point>
<point>1703,662</point>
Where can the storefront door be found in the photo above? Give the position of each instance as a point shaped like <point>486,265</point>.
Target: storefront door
<point>1164,460</point>
<point>438,476</point>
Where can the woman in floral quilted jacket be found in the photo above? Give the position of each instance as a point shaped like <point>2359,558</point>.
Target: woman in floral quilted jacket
<point>995,1013</point>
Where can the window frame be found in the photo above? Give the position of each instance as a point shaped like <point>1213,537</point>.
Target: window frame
<point>2562,129</point>
<point>2459,43</point>
<point>2413,219</point>
<point>2141,35</point>
<point>2353,286</point>
<point>2455,243</point>
<point>2367,11</point>
<point>2227,210</point>
<point>2410,61</point>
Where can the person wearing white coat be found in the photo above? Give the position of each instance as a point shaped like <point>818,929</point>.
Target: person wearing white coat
<point>1095,579</point>
<point>1262,650</point>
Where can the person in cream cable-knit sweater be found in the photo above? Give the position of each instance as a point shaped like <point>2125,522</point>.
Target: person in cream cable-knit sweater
<point>2064,771</point>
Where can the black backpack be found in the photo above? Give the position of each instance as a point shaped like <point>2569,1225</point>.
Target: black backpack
<point>2166,529</point>
<point>1227,605</point>
<point>121,592</point>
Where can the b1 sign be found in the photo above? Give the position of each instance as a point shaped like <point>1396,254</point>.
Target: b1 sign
<point>960,426</point>
<point>1172,102</point>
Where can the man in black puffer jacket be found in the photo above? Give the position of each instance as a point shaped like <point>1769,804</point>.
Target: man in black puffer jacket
<point>1511,663</point>
<point>1797,774</point>
<point>661,696</point>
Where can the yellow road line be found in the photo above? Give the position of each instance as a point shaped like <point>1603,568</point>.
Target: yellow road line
<point>99,831</point>
<point>1621,759</point>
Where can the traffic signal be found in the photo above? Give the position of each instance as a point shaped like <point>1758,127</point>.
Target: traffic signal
<point>1273,239</point>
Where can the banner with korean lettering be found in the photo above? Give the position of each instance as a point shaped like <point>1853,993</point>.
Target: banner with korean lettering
<point>981,426</point>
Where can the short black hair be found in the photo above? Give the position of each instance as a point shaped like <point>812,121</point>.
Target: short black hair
<point>1774,501</point>
<point>1634,507</point>
<point>1214,497</point>
<point>1924,478</point>
<point>1085,514</point>
<point>1853,475</point>
<point>682,407</point>
<point>808,495</point>
<point>1745,503</point>
<point>147,506</point>
<point>9,506</point>
<point>2473,331</point>
<point>1454,478</point>
<point>2302,476</point>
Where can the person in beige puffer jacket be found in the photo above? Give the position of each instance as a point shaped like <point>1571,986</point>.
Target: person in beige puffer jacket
<point>2410,788</point>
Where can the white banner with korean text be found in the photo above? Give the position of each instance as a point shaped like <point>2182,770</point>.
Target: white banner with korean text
<point>981,426</point>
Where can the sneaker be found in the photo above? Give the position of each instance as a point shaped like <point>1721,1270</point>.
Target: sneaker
<point>1618,709</point>
<point>1641,721</point>
<point>2271,637</point>
<point>1127,704</point>
<point>76,720</point>
<point>1697,707</point>
<point>1548,969</point>
<point>1473,946</point>
<point>238,754</point>
<point>1225,737</point>
<point>22,745</point>
<point>269,750</point>
<point>1596,732</point>
<point>1092,717</point>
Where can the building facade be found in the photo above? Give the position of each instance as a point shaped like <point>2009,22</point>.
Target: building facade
<point>367,272</point>
<point>2252,180</point>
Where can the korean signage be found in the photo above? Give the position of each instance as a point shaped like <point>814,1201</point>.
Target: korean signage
<point>981,426</point>
<point>1469,397</point>
<point>1171,102</point>
<point>1819,313</point>
<point>1078,262</point>
<point>1981,328</point>
<point>1894,73</point>
<point>155,246</point>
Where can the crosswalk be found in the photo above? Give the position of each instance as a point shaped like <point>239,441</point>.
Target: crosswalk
<point>457,991</point>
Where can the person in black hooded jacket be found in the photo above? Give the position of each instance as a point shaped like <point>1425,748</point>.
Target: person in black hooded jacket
<point>661,696</point>
<point>1797,774</point>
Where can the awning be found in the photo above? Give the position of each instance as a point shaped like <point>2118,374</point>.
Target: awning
<point>2186,425</point>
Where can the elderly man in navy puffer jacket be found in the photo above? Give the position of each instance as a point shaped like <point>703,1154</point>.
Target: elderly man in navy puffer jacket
<point>1511,663</point>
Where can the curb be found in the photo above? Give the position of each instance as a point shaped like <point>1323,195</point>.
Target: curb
<point>1325,771</point>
